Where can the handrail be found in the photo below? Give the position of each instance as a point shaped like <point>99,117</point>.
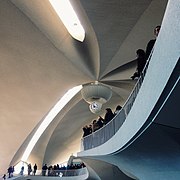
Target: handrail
<point>62,172</point>
<point>55,173</point>
<point>106,132</point>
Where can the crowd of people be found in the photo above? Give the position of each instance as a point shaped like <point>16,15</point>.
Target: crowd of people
<point>30,170</point>
<point>53,170</point>
<point>10,171</point>
<point>100,122</point>
<point>142,56</point>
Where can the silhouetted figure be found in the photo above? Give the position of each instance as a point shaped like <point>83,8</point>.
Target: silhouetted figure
<point>44,168</point>
<point>100,122</point>
<point>118,108</point>
<point>95,126</point>
<point>29,169</point>
<point>10,170</point>
<point>58,168</point>
<point>34,169</point>
<point>108,116</point>
<point>55,170</point>
<point>85,131</point>
<point>50,169</point>
<point>151,43</point>
<point>22,170</point>
<point>90,129</point>
<point>141,61</point>
<point>4,176</point>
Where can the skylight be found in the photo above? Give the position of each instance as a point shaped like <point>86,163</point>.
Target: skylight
<point>49,118</point>
<point>69,18</point>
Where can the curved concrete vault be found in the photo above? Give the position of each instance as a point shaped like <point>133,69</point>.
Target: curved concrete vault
<point>147,144</point>
<point>40,62</point>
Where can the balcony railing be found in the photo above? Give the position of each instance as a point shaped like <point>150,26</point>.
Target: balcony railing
<point>82,173</point>
<point>106,132</point>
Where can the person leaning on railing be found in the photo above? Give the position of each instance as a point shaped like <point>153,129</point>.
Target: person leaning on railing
<point>141,61</point>
<point>100,122</point>
<point>95,126</point>
<point>108,116</point>
<point>87,130</point>
<point>118,108</point>
<point>151,43</point>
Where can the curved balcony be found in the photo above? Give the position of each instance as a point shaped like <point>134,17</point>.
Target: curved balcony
<point>106,132</point>
<point>143,139</point>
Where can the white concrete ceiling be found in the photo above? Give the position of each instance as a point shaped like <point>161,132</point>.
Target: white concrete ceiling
<point>40,62</point>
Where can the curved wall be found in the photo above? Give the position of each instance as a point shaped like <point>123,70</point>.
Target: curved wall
<point>161,66</point>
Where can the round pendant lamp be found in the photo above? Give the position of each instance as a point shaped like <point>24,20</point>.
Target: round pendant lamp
<point>96,94</point>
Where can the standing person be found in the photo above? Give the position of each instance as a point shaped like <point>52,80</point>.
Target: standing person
<point>35,169</point>
<point>95,125</point>
<point>4,176</point>
<point>118,108</point>
<point>141,61</point>
<point>10,169</point>
<point>29,169</point>
<point>58,169</point>
<point>89,130</point>
<point>151,43</point>
<point>85,131</point>
<point>22,170</point>
<point>100,122</point>
<point>108,116</point>
<point>44,168</point>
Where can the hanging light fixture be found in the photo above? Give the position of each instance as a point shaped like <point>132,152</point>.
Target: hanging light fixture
<point>96,94</point>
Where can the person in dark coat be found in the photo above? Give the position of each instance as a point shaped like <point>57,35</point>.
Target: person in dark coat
<point>141,61</point>
<point>10,170</point>
<point>108,116</point>
<point>100,122</point>
<point>151,43</point>
<point>22,171</point>
<point>85,131</point>
<point>118,108</point>
<point>35,169</point>
<point>95,125</point>
<point>44,168</point>
<point>29,169</point>
<point>90,129</point>
<point>4,176</point>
